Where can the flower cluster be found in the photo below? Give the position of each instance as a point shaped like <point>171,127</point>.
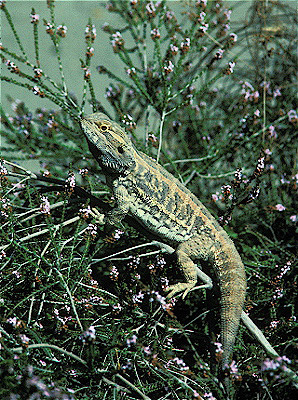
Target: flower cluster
<point>138,298</point>
<point>260,167</point>
<point>87,73</point>
<point>230,69</point>
<point>15,322</point>
<point>45,206</point>
<point>50,29</point>
<point>83,172</point>
<point>253,194</point>
<point>3,169</point>
<point>185,45</point>
<point>131,341</point>
<point>38,92</point>
<point>90,33</point>
<point>112,92</point>
<point>2,255</point>
<point>166,306</point>
<point>117,42</point>
<point>280,207</point>
<point>249,93</point>
<point>128,366</point>
<point>128,121</point>
<point>37,73</point>
<point>277,282</point>
<point>63,316</point>
<point>155,34</point>
<point>226,191</point>
<point>292,115</point>
<point>14,69</point>
<point>238,177</point>
<point>90,51</point>
<point>233,369</point>
<point>70,182</point>
<point>85,212</point>
<point>271,366</point>
<point>169,68</point>
<point>34,18</point>
<point>5,208</point>
<point>114,236</point>
<point>114,273</point>
<point>61,30</point>
<point>151,9</point>
<point>209,396</point>
<point>218,54</point>
<point>38,389</point>
<point>178,363</point>
<point>89,335</point>
<point>91,231</point>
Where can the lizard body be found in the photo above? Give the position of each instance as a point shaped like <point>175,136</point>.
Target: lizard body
<point>144,190</point>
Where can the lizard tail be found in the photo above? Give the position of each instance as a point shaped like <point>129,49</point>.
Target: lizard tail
<point>233,287</point>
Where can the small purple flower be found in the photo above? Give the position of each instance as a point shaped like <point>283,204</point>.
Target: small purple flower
<point>88,335</point>
<point>174,49</point>
<point>34,18</point>
<point>276,92</point>
<point>147,350</point>
<point>203,28</point>
<point>233,37</point>
<point>155,34</point>
<point>292,115</point>
<point>169,68</point>
<point>131,341</point>
<point>219,54</point>
<point>45,206</point>
<point>280,207</point>
<point>61,30</point>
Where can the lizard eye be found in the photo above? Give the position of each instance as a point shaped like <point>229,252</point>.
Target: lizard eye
<point>120,150</point>
<point>101,126</point>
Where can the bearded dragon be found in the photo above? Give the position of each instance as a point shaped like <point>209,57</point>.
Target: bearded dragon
<point>144,190</point>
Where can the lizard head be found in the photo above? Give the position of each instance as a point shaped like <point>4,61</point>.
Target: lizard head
<point>109,144</point>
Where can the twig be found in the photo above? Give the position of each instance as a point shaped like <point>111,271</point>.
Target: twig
<point>133,387</point>
<point>51,346</point>
<point>70,298</point>
<point>160,135</point>
<point>36,234</point>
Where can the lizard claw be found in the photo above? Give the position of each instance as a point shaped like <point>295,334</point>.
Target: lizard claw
<point>99,218</point>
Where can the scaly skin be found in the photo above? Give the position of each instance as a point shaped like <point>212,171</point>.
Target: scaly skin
<point>144,190</point>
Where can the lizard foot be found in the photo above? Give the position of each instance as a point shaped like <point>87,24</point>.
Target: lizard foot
<point>99,218</point>
<point>179,287</point>
<point>185,288</point>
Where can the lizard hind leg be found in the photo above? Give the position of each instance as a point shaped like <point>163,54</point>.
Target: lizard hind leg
<point>190,271</point>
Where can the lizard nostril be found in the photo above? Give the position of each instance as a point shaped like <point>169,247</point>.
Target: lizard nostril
<point>120,150</point>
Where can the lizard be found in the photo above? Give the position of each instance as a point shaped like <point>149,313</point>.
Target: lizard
<point>147,192</point>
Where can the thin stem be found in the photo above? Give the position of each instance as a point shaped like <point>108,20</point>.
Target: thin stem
<point>36,46</point>
<point>160,134</point>
<point>70,298</point>
<point>50,346</point>
<point>8,17</point>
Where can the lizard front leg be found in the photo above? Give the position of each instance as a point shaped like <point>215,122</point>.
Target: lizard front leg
<point>116,215</point>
